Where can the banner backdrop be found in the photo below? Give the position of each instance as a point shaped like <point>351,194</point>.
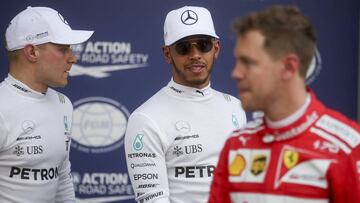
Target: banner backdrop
<point>122,65</point>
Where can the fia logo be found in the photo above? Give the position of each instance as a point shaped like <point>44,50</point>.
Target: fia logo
<point>138,144</point>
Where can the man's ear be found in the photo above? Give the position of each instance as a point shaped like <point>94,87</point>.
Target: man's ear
<point>291,66</point>
<point>217,48</point>
<point>167,54</point>
<point>31,52</point>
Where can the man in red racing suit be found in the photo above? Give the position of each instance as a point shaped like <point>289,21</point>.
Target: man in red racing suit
<point>300,151</point>
<point>315,159</point>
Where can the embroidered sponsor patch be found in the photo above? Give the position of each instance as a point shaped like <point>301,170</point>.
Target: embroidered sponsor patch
<point>258,164</point>
<point>340,129</point>
<point>248,165</point>
<point>291,158</point>
<point>301,166</point>
<point>237,166</point>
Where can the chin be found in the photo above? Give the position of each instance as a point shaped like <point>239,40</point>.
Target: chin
<point>247,105</point>
<point>63,84</point>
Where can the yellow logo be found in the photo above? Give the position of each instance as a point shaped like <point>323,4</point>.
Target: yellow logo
<point>258,164</point>
<point>291,158</point>
<point>237,166</point>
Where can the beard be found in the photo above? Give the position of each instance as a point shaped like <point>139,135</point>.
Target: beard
<point>186,77</point>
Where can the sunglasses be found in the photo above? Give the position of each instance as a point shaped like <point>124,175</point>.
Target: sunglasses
<point>183,47</point>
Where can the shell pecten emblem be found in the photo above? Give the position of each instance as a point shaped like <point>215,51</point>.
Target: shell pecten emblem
<point>237,166</point>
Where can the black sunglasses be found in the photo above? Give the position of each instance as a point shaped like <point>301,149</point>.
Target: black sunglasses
<point>204,45</point>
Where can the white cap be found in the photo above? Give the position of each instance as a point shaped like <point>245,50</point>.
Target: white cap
<point>187,21</point>
<point>39,25</point>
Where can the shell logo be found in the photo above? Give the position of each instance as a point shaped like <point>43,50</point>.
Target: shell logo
<point>237,166</point>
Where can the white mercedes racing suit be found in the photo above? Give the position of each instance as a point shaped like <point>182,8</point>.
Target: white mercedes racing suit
<point>34,145</point>
<point>173,141</point>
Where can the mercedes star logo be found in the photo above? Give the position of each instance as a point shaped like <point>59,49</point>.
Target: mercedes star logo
<point>182,126</point>
<point>189,17</point>
<point>28,126</point>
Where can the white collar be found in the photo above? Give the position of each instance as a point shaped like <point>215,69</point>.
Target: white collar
<point>187,92</point>
<point>292,118</point>
<point>21,88</point>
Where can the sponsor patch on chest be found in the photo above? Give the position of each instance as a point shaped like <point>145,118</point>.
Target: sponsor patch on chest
<point>248,165</point>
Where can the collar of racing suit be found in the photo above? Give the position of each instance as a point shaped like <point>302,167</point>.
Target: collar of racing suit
<point>188,93</point>
<point>312,113</point>
<point>22,89</point>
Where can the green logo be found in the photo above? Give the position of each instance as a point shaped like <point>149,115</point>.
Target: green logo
<point>66,125</point>
<point>61,98</point>
<point>235,121</point>
<point>138,144</point>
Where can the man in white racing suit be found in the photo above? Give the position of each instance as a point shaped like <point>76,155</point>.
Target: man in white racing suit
<point>173,140</point>
<point>35,120</point>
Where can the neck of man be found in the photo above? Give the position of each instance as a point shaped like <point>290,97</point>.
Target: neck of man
<point>26,74</point>
<point>289,100</point>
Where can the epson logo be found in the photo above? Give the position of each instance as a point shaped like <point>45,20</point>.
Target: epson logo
<point>34,173</point>
<point>146,176</point>
<point>194,171</point>
<point>136,155</point>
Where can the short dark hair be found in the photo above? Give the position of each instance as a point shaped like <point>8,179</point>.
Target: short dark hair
<point>286,30</point>
<point>13,55</point>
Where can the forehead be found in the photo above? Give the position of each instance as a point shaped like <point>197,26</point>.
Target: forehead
<point>194,37</point>
<point>52,45</point>
<point>252,41</point>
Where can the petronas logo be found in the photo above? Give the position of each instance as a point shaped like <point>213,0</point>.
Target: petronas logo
<point>66,124</point>
<point>61,98</point>
<point>138,144</point>
<point>235,121</point>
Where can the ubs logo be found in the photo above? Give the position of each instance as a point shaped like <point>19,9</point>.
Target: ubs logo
<point>30,150</point>
<point>189,149</point>
<point>189,17</point>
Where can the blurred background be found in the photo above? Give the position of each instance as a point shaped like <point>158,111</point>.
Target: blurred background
<point>122,65</point>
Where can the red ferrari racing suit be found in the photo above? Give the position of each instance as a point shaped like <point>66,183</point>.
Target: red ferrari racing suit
<point>315,159</point>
